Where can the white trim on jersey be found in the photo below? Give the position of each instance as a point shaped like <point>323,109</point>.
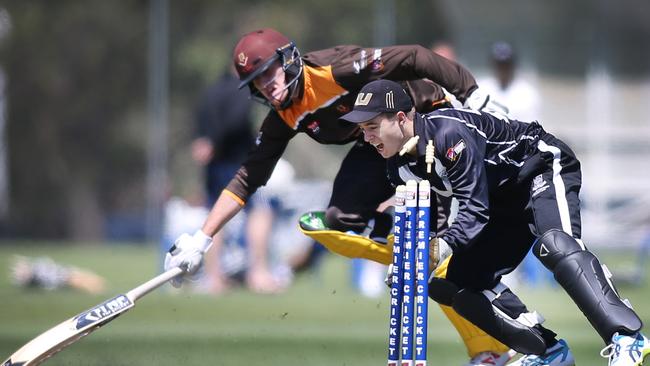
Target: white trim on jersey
<point>501,154</point>
<point>471,126</point>
<point>406,174</point>
<point>558,183</point>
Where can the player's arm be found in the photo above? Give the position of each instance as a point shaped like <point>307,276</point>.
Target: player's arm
<point>354,66</point>
<point>417,62</point>
<point>187,251</point>
<point>462,155</point>
<point>411,62</point>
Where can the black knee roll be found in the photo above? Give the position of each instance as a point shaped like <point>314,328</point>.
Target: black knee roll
<point>582,276</point>
<point>442,291</point>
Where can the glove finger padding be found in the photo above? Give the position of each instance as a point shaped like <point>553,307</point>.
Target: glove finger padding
<point>439,250</point>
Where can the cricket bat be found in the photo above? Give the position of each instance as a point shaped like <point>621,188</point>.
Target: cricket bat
<point>57,338</point>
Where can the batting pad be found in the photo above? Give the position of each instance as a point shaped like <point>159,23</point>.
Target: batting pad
<point>348,245</point>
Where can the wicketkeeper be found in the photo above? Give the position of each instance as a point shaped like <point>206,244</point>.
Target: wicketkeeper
<point>517,186</point>
<point>307,94</point>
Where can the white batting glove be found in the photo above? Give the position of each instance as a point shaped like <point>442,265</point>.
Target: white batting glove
<point>480,100</point>
<point>187,253</point>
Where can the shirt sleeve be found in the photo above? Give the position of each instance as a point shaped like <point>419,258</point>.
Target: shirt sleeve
<point>416,62</point>
<point>462,154</point>
<point>354,66</point>
<point>272,140</point>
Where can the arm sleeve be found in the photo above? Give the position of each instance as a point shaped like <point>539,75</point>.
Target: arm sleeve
<point>354,66</point>
<point>467,175</point>
<point>272,140</point>
<point>416,62</point>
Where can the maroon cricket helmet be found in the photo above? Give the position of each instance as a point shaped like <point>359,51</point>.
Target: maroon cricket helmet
<point>258,50</point>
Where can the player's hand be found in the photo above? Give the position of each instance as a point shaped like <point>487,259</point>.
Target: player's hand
<point>388,280</point>
<point>187,253</point>
<point>439,250</point>
<point>480,100</point>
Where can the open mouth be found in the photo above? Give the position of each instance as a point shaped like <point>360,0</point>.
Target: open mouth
<point>379,147</point>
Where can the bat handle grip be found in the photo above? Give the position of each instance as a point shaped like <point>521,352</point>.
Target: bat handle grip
<point>153,283</point>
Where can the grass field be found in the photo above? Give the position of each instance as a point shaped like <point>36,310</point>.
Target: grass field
<point>319,321</point>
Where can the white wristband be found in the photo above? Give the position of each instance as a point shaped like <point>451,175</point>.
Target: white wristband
<point>203,239</point>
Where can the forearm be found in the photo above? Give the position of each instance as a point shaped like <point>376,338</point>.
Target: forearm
<point>223,210</point>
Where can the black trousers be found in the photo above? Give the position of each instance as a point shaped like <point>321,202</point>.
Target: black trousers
<point>520,213</point>
<point>361,184</point>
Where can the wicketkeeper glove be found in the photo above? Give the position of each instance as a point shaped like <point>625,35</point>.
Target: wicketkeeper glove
<point>439,251</point>
<point>187,253</point>
<point>480,100</point>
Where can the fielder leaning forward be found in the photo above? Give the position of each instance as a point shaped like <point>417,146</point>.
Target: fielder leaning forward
<point>308,94</point>
<point>517,187</point>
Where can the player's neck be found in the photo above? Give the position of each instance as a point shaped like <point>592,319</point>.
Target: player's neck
<point>410,141</point>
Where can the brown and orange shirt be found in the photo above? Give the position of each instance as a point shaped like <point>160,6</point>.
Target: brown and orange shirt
<point>328,88</point>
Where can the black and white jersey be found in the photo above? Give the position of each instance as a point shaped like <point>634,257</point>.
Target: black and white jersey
<point>476,155</point>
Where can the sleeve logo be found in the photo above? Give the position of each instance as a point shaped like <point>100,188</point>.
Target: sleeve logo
<point>454,152</point>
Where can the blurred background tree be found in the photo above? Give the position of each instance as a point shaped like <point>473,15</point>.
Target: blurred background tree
<point>76,83</point>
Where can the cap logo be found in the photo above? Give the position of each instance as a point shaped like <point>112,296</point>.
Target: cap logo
<point>363,99</point>
<point>390,100</point>
<point>243,59</point>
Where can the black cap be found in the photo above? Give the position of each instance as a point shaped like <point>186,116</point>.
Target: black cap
<point>377,97</point>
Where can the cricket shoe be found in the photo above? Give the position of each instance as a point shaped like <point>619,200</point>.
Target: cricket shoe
<point>491,358</point>
<point>627,350</point>
<point>558,355</point>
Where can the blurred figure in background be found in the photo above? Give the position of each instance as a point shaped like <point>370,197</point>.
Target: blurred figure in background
<point>224,137</point>
<point>518,95</point>
<point>522,100</point>
<point>45,273</point>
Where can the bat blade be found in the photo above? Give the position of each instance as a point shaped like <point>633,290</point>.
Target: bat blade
<point>66,333</point>
<point>60,336</point>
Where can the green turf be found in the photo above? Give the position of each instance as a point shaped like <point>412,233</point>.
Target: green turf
<point>319,321</point>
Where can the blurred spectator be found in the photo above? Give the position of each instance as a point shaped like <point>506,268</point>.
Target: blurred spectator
<point>522,100</point>
<point>44,273</point>
<point>225,135</point>
<point>505,86</point>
